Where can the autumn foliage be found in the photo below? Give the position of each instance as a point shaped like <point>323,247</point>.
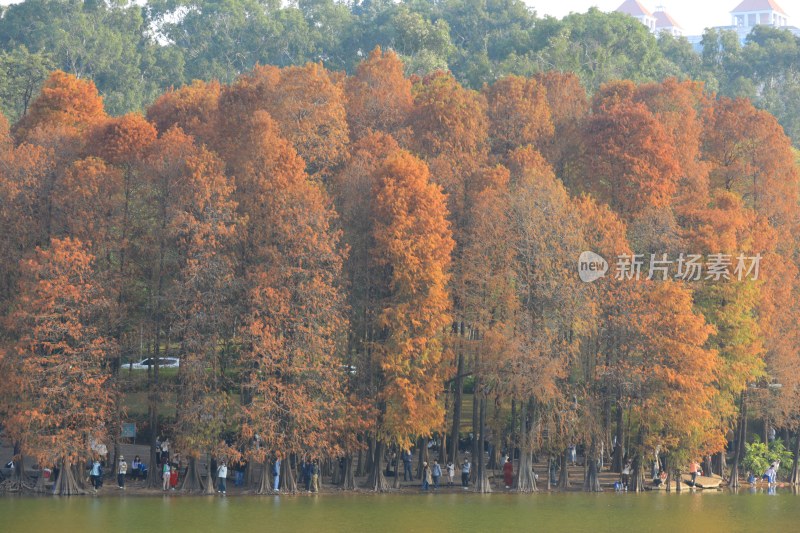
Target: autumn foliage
<point>331,257</point>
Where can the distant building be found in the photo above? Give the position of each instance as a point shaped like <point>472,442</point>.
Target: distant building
<point>638,11</point>
<point>751,13</point>
<point>657,22</point>
<point>746,15</point>
<point>665,23</point>
<point>754,12</point>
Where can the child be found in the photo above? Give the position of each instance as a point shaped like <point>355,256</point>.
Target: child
<point>451,472</point>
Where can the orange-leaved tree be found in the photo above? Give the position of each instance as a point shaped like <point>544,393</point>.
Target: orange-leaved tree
<point>629,160</point>
<point>413,244</point>
<point>64,101</point>
<point>378,95</point>
<point>518,112</point>
<point>294,396</point>
<point>202,300</point>
<point>58,368</point>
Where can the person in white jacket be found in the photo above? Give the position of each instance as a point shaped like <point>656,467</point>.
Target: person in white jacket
<point>222,474</point>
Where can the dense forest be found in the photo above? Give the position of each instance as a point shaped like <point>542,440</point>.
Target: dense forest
<point>337,260</point>
<point>133,53</point>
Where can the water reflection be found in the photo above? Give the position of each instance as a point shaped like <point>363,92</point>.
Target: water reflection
<point>746,510</point>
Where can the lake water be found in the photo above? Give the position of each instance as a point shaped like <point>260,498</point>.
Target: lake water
<point>384,513</point>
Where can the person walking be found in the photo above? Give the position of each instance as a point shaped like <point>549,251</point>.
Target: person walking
<point>426,475</point>
<point>305,469</point>
<point>436,474</point>
<point>465,467</point>
<point>96,474</point>
<point>694,468</point>
<point>165,475</point>
<point>122,470</point>
<point>626,475</point>
<point>407,473</point>
<point>222,475</point>
<point>451,472</point>
<point>276,473</point>
<point>508,473</point>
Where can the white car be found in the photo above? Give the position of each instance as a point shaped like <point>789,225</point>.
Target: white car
<point>163,362</point>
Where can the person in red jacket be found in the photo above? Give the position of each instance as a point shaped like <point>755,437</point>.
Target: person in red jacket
<point>508,473</point>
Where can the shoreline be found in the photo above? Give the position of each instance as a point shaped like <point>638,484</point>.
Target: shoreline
<point>113,491</point>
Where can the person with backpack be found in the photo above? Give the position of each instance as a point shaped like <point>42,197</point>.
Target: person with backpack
<point>465,466</point>
<point>436,474</point>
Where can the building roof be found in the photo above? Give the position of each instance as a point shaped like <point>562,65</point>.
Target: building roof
<point>634,9</point>
<point>664,20</point>
<point>759,5</point>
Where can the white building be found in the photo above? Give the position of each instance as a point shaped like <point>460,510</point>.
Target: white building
<point>758,12</point>
<point>657,22</point>
<point>665,23</point>
<point>638,11</point>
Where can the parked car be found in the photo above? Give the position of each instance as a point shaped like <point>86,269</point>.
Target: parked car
<point>163,362</point>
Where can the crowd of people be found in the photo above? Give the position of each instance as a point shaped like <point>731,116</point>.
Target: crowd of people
<point>433,475</point>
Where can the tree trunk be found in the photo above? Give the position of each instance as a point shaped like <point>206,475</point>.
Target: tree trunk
<point>210,485</point>
<point>421,457</point>
<point>349,482</point>
<point>741,434</point>
<point>482,484</point>
<point>457,400</point>
<point>677,480</point>
<point>360,467</point>
<point>707,467</point>
<point>250,480</point>
<point>154,475</point>
<point>494,457</point>
<point>526,478</point>
<point>192,481</point>
<point>618,453</point>
<point>66,484</point>
<point>591,482</point>
<point>719,464</point>
<point>78,472</point>
<point>637,475</point>
<point>17,481</point>
<point>265,482</point>
<point>526,481</point>
<point>369,466</point>
<point>511,442</point>
<point>396,471</point>
<point>475,428</point>
<point>794,478</point>
<point>288,480</point>
<point>377,481</point>
<point>563,479</point>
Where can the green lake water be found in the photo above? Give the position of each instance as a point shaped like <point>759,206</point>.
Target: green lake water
<point>457,512</point>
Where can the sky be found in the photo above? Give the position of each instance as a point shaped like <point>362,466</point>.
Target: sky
<point>692,15</point>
